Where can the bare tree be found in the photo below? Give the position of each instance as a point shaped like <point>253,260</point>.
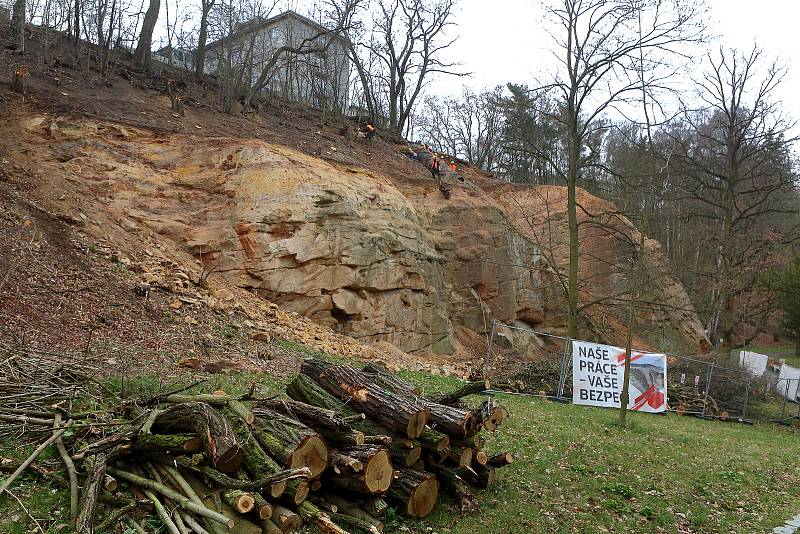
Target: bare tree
<point>200,53</point>
<point>141,56</point>
<point>469,127</point>
<point>597,42</point>
<point>738,177</point>
<point>409,40</point>
<point>18,22</point>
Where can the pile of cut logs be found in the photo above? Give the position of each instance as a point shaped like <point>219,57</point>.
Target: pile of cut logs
<point>345,445</point>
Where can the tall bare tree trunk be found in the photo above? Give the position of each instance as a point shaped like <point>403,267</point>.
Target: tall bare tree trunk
<point>200,54</point>
<point>574,245</point>
<point>18,21</point>
<point>77,38</point>
<point>141,57</point>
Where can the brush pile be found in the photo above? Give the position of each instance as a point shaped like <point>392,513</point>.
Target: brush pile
<point>346,445</point>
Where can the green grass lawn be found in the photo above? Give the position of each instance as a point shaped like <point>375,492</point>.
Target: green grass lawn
<point>576,471</point>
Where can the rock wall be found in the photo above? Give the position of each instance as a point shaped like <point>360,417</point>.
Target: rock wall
<point>377,259</point>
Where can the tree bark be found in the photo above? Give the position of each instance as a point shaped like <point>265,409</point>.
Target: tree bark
<point>257,463</point>
<point>287,520</point>
<point>500,460</point>
<point>200,53</point>
<point>220,441</point>
<point>290,442</point>
<point>18,22</point>
<point>478,476</point>
<point>141,56</point>
<point>455,485</point>
<point>384,377</point>
<point>168,443</point>
<point>470,388</point>
<point>95,473</point>
<point>396,412</point>
<point>405,451</point>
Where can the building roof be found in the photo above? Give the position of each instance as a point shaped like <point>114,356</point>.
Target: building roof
<point>248,27</point>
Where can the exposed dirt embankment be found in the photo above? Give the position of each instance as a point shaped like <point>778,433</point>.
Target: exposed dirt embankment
<point>373,257</point>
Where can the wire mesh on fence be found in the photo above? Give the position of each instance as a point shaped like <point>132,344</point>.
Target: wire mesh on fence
<point>715,385</point>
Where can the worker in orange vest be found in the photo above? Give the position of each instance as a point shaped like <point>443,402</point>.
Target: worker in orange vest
<point>453,166</point>
<point>369,132</point>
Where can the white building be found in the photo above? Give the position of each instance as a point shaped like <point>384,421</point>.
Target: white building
<point>319,79</point>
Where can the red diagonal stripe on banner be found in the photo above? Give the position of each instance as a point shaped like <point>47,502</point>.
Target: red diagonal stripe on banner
<point>634,356</point>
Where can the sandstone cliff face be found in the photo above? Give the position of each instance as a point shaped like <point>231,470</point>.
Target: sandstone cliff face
<point>377,259</point>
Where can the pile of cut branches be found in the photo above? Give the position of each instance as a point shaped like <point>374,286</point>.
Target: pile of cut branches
<point>347,444</point>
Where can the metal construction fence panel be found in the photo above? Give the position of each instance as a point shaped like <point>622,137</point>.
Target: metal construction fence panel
<point>713,386</point>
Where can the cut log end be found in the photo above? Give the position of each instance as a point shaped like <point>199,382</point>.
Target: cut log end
<point>414,455</point>
<point>230,460</point>
<point>312,453</point>
<point>416,424</point>
<point>245,503</point>
<point>493,422</point>
<point>378,472</point>
<point>359,438</point>
<point>301,493</point>
<point>277,489</point>
<point>423,499</point>
<point>265,511</point>
<point>481,457</point>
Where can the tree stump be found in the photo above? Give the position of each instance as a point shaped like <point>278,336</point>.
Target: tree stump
<point>19,80</point>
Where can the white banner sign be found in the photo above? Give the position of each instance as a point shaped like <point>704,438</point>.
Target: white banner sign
<point>597,374</point>
<point>788,381</point>
<point>755,363</point>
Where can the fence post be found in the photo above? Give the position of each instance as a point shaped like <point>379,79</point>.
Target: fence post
<point>562,379</point>
<point>488,352</point>
<point>708,387</point>
<point>746,393</point>
<point>785,397</point>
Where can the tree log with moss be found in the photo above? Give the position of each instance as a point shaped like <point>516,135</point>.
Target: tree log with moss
<point>290,442</point>
<point>219,439</point>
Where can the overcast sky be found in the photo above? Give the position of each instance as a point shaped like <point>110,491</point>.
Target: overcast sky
<point>502,41</point>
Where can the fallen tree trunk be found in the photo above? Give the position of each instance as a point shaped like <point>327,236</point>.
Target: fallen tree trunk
<point>168,443</point>
<point>305,389</point>
<point>257,463</point>
<point>312,416</point>
<point>290,442</point>
<point>454,484</point>
<point>350,509</point>
<point>95,473</point>
<point>416,491</point>
<point>477,475</point>
<point>452,421</point>
<point>384,377</point>
<point>220,441</point>
<point>287,520</point>
<point>470,388</point>
<point>500,460</point>
<point>396,412</point>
